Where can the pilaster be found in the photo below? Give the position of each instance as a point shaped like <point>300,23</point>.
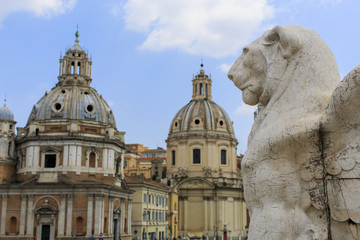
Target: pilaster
<point>22,215</point>
<point>3,213</point>
<point>61,220</point>
<point>30,216</point>
<point>89,215</point>
<point>69,214</point>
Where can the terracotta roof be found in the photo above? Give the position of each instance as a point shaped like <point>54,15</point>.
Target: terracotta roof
<point>137,180</point>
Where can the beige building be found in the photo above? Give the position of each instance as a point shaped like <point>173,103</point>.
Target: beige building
<point>68,179</point>
<point>150,209</point>
<point>201,162</point>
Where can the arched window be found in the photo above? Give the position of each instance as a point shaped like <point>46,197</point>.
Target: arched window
<point>79,226</point>
<point>196,156</point>
<point>72,67</point>
<point>175,206</point>
<point>92,159</point>
<point>223,157</point>
<point>13,223</point>
<point>206,89</point>
<point>201,88</point>
<point>78,68</point>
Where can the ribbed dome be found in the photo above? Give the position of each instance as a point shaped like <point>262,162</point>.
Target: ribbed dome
<point>6,113</point>
<point>73,102</point>
<point>200,115</point>
<point>73,98</point>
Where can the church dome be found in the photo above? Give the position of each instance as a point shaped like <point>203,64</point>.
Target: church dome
<point>73,98</point>
<point>6,113</point>
<point>201,115</point>
<point>73,102</point>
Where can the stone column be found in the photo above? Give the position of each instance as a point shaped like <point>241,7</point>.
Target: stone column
<point>89,215</point>
<point>61,221</point>
<point>3,214</point>
<point>98,214</point>
<point>69,215</point>
<point>122,216</point>
<point>22,215</point>
<point>30,216</point>
<point>111,213</point>
<point>236,214</point>
<point>205,213</point>
<point>122,165</point>
<point>129,215</point>
<point>185,214</point>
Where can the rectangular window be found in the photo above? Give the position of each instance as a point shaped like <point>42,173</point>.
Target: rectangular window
<point>157,200</point>
<point>160,155</point>
<point>153,155</point>
<point>166,202</point>
<point>223,157</point>
<point>196,156</point>
<point>145,197</point>
<point>50,160</point>
<point>153,216</point>
<point>125,164</point>
<point>173,157</point>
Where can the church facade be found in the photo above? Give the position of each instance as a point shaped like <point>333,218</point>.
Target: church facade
<point>62,174</point>
<point>201,163</point>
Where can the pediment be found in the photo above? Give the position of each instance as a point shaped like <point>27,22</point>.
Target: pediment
<point>195,183</point>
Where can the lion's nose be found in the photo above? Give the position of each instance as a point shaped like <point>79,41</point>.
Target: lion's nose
<point>230,76</point>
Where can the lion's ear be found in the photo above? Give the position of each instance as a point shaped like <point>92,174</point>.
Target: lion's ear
<point>288,41</point>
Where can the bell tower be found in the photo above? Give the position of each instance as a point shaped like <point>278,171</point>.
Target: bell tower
<point>7,144</point>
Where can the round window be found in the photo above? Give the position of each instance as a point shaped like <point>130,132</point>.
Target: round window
<point>197,121</point>
<point>57,107</point>
<point>176,124</point>
<point>221,123</point>
<point>90,108</point>
<point>63,91</point>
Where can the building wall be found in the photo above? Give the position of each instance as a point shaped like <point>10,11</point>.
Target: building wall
<point>86,214</point>
<point>155,206</point>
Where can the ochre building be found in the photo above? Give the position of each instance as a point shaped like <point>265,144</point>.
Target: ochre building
<point>201,163</point>
<point>62,175</point>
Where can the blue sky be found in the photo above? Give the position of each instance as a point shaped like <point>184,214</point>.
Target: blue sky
<point>145,52</point>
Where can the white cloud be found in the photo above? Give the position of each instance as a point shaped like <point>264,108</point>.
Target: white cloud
<point>214,28</point>
<point>224,67</point>
<point>41,8</point>
<point>245,109</point>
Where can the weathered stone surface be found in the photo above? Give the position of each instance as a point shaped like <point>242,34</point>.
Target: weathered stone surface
<point>301,169</point>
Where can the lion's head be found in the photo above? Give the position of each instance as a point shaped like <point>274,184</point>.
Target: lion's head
<point>287,61</point>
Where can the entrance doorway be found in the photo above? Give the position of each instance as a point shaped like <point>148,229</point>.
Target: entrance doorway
<point>45,232</point>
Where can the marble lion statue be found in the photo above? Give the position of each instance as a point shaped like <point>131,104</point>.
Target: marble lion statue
<point>301,170</point>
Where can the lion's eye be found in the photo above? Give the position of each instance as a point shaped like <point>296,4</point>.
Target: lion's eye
<point>245,50</point>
